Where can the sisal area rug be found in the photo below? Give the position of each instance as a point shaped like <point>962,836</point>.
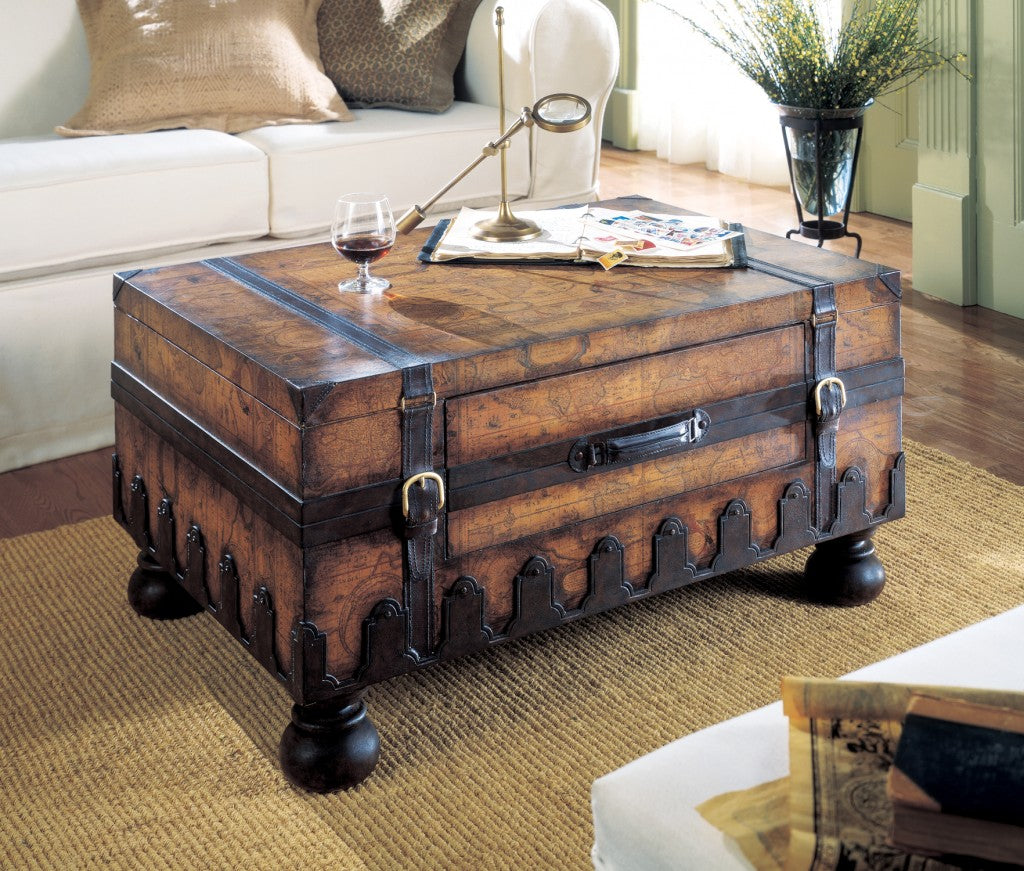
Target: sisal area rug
<point>137,744</point>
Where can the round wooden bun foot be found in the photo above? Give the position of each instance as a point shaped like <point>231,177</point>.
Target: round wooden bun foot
<point>845,571</point>
<point>329,745</point>
<point>154,593</point>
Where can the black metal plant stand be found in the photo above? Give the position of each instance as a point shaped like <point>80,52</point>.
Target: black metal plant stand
<point>821,229</point>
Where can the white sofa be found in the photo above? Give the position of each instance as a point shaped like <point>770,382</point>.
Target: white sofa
<point>75,210</point>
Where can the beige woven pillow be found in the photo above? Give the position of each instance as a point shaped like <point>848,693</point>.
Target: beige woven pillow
<point>398,53</point>
<point>227,65</point>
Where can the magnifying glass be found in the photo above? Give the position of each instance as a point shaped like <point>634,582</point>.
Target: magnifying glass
<point>561,113</point>
<point>556,113</point>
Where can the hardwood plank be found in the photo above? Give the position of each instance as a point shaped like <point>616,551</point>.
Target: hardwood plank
<point>51,494</point>
<point>965,366</point>
<point>625,173</point>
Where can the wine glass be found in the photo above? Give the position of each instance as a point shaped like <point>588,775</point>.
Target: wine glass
<point>363,231</point>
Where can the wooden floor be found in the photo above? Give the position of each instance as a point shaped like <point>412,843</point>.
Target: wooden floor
<point>965,367</point>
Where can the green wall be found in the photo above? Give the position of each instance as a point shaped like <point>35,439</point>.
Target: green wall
<point>999,96</point>
<point>620,121</point>
<point>944,199</point>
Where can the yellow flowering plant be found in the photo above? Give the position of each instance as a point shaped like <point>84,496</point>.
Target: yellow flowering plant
<point>790,49</point>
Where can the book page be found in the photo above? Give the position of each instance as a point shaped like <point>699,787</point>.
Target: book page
<point>683,234</point>
<point>818,697</point>
<point>757,819</point>
<point>560,237</point>
<point>651,239</point>
<point>592,234</point>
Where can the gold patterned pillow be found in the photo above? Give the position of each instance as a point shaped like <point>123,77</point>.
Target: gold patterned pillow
<point>227,65</point>
<point>397,53</point>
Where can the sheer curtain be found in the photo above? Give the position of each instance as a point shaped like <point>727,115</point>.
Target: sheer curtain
<point>696,107</point>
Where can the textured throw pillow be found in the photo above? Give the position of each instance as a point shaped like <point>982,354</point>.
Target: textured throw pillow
<point>397,53</point>
<point>227,65</point>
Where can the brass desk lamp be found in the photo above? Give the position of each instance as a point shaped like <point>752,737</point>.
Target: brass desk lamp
<point>557,113</point>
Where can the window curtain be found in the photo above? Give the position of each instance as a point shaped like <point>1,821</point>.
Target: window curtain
<point>694,106</point>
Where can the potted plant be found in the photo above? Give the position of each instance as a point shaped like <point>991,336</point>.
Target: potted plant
<point>822,77</point>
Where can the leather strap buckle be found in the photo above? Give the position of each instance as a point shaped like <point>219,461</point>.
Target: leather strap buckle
<point>828,382</point>
<point>425,401</point>
<point>421,478</point>
<point>823,319</point>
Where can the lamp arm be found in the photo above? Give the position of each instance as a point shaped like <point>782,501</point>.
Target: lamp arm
<point>415,215</point>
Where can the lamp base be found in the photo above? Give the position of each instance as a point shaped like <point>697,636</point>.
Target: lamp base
<point>505,227</point>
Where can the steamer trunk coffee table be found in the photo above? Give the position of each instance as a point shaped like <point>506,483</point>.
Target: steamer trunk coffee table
<point>358,487</point>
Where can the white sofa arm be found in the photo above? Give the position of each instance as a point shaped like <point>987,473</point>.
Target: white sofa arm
<point>549,46</point>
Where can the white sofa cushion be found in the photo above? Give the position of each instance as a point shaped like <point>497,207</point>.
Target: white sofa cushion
<point>76,202</point>
<point>311,166</point>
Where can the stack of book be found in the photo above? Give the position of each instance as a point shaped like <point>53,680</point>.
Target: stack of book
<point>887,775</point>
<point>957,780</point>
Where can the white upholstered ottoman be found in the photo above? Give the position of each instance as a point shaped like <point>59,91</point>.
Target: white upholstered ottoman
<point>644,812</point>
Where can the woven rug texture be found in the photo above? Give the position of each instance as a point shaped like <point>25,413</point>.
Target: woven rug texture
<point>130,743</point>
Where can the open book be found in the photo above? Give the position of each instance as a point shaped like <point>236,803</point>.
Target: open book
<point>594,235</point>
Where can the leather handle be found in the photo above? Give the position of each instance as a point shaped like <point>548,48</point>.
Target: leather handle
<point>587,453</point>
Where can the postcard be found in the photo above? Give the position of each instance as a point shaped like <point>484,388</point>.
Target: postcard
<point>682,233</point>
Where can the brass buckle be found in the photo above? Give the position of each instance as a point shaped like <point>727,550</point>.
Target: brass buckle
<point>421,401</point>
<point>825,318</point>
<point>826,382</point>
<point>421,478</point>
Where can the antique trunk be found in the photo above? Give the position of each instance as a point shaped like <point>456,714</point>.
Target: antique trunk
<point>357,486</point>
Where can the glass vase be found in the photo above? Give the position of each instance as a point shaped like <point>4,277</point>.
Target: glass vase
<point>822,149</point>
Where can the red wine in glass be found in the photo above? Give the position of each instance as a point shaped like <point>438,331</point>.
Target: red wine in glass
<point>363,231</point>
<point>363,249</point>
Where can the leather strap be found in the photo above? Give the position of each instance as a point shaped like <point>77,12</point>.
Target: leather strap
<point>828,397</point>
<point>424,495</point>
<point>297,303</point>
<point>421,505</point>
<point>827,388</point>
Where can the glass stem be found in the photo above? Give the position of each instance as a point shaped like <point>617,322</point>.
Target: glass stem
<point>364,273</point>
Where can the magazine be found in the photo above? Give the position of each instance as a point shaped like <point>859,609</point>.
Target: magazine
<point>595,235</point>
